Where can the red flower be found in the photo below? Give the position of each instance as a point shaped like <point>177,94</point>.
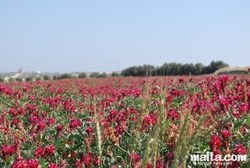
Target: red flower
<point>243,130</point>
<point>89,131</point>
<point>74,123</point>
<point>248,70</point>
<point>50,121</point>
<point>181,80</point>
<point>87,160</point>
<point>21,163</point>
<point>135,159</point>
<point>39,152</point>
<point>59,129</point>
<point>6,151</point>
<point>239,150</point>
<point>223,80</point>
<point>40,126</point>
<point>49,150</point>
<point>78,164</point>
<point>169,98</point>
<point>97,161</point>
<point>32,163</point>
<point>52,165</point>
<point>225,135</point>
<point>15,121</point>
<point>13,111</point>
<point>214,143</point>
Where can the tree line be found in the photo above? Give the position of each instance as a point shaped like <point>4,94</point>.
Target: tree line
<point>167,69</point>
<point>172,69</point>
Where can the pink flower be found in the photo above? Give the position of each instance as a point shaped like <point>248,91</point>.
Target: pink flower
<point>87,160</point>
<point>169,158</point>
<point>7,151</point>
<point>97,161</point>
<point>49,150</point>
<point>15,121</point>
<point>214,143</point>
<point>89,130</point>
<point>39,152</point>
<point>135,159</point>
<point>40,126</point>
<point>239,150</point>
<point>225,135</point>
<point>59,129</point>
<point>52,165</point>
<point>169,98</point>
<point>78,164</point>
<point>223,80</point>
<point>13,111</point>
<point>50,121</point>
<point>32,163</point>
<point>181,80</point>
<point>74,123</point>
<point>243,130</point>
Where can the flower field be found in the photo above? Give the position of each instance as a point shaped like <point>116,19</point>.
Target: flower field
<point>124,122</point>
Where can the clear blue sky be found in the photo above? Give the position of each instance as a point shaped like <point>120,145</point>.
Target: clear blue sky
<point>92,35</point>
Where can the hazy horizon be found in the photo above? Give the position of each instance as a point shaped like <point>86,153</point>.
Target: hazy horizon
<point>88,36</point>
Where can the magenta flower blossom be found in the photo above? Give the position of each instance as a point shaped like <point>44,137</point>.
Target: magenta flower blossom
<point>214,143</point>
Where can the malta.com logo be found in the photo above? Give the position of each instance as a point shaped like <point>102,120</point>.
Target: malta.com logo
<point>209,158</point>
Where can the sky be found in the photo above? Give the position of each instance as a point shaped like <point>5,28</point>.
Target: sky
<point>111,35</point>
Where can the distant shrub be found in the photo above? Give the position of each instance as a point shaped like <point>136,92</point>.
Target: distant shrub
<point>65,76</point>
<point>38,78</point>
<point>98,75</point>
<point>55,77</point>
<point>46,77</point>
<point>82,75</point>
<point>19,79</point>
<point>1,79</point>
<point>11,80</point>
<point>28,79</point>
<point>115,74</point>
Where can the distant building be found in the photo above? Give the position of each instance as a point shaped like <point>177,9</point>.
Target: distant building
<point>20,71</point>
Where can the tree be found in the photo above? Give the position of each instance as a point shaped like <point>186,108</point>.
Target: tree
<point>115,74</point>
<point>94,75</point>
<point>46,77</point>
<point>38,78</point>
<point>65,76</point>
<point>11,80</point>
<point>1,79</point>
<point>215,65</point>
<point>28,79</point>
<point>55,77</point>
<point>82,75</point>
<point>19,79</point>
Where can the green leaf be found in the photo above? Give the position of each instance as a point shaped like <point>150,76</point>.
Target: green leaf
<point>237,125</point>
<point>9,160</point>
<point>248,120</point>
<point>75,136</point>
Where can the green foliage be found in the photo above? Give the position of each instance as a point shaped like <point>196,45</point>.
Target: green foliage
<point>1,79</point>
<point>55,77</point>
<point>19,79</point>
<point>115,74</point>
<point>82,75</point>
<point>28,79</point>
<point>65,76</point>
<point>98,75</point>
<point>11,80</point>
<point>173,69</point>
<point>46,77</point>
<point>145,70</point>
